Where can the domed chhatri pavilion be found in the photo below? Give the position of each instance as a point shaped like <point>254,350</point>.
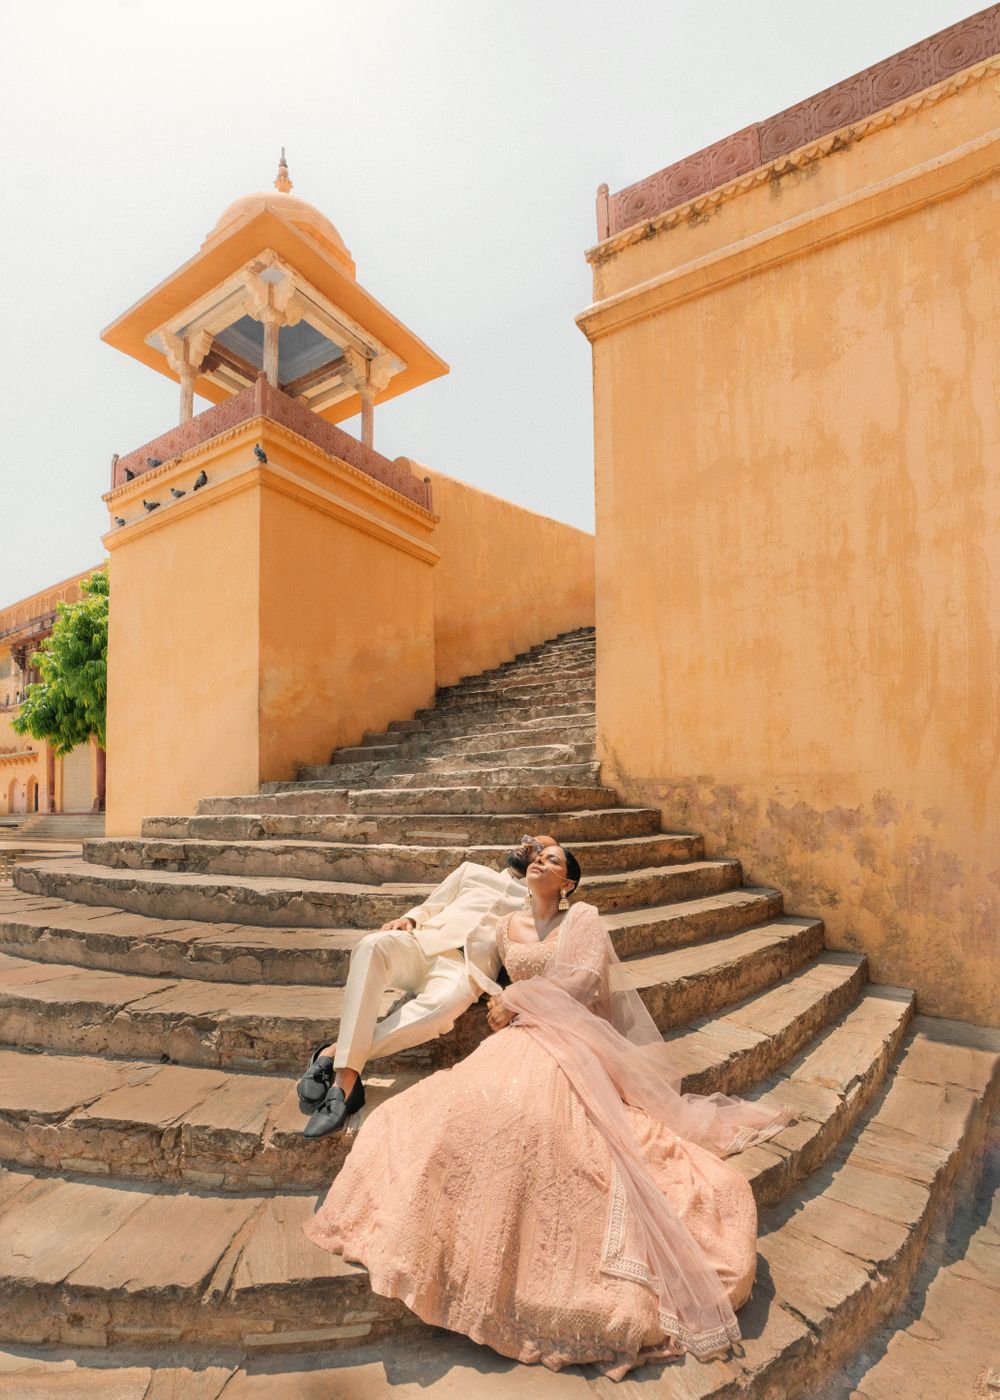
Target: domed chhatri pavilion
<point>274,288</point>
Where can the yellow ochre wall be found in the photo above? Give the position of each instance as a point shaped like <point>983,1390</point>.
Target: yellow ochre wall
<point>797,444</point>
<point>347,634</point>
<point>508,578</point>
<point>183,642</point>
<point>258,623</point>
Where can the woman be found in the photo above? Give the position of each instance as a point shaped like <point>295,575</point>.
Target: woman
<point>553,1195</point>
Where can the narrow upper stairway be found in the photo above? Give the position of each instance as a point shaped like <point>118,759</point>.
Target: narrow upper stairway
<point>158,996</point>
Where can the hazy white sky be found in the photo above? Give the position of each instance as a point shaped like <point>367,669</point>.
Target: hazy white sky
<point>456,144</point>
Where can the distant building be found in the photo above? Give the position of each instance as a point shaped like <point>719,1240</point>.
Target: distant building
<point>32,777</point>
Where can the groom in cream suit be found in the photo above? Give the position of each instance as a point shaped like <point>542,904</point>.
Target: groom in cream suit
<point>444,952</point>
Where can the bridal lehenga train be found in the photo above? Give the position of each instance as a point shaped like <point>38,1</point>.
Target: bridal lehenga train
<point>553,1195</point>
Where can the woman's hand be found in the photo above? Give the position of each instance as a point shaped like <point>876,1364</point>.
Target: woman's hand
<point>497,1015</point>
<point>404,925</point>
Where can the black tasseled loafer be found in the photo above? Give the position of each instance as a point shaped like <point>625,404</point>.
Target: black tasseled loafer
<point>335,1111</point>
<point>314,1085</point>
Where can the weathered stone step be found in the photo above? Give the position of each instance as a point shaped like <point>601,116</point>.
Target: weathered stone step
<point>327,798</point>
<point>584,774</point>
<point>89,1261</point>
<point>491,716</point>
<point>516,756</point>
<point>273,901</point>
<point>367,864</point>
<point>437,727</point>
<point>829,1085</point>
<point>229,1025</point>
<point>105,938</point>
<point>514,699</point>
<point>841,1252</point>
<point>692,920</point>
<point>55,930</point>
<point>540,678</point>
<point>581,661</point>
<point>488,741</point>
<point>140,1119</point>
<point>458,829</point>
<point>942,1341</point>
<point>741,1044</point>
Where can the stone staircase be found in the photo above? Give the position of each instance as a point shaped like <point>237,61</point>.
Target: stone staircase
<point>158,996</point>
<point>62,826</point>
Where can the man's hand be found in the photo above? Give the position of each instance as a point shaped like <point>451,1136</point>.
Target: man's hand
<point>405,925</point>
<point>497,1015</point>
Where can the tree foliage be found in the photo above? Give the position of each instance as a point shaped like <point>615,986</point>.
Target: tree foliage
<point>68,705</point>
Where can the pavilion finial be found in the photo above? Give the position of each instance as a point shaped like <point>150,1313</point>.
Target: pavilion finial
<point>283,183</point>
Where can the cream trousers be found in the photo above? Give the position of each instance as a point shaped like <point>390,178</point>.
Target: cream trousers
<point>441,988</point>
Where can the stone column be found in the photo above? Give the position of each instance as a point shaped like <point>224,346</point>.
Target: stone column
<point>187,393</point>
<point>369,376</point>
<point>367,416</point>
<point>186,355</point>
<point>270,302</point>
<point>272,329</point>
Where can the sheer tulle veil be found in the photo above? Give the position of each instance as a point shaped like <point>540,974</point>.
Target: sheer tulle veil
<point>585,1011</point>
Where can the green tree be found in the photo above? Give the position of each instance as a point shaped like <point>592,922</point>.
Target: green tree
<point>68,705</point>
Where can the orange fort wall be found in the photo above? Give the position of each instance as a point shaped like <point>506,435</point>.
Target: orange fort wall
<point>797,408</point>
<point>287,607</point>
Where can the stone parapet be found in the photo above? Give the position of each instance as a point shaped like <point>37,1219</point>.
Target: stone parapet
<point>920,66</point>
<point>264,400</point>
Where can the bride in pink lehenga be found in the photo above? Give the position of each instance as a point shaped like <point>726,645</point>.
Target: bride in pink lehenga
<point>553,1195</point>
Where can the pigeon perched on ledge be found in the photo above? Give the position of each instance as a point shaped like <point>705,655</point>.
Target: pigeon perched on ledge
<point>154,461</point>
<point>259,453</point>
<point>177,494</point>
<point>200,480</point>
<point>119,520</point>
<point>129,475</point>
<point>150,505</point>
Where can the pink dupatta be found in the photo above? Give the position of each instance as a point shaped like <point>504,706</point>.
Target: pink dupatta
<point>596,1027</point>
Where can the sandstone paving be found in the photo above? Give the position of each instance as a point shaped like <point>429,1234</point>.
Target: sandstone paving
<point>833,1261</point>
<point>458,829</point>
<point>180,1100</point>
<point>747,1041</point>
<point>233,1024</point>
<point>116,940</point>
<point>275,900</point>
<point>368,863</point>
<point>948,1347</point>
<point>699,978</point>
<point>471,799</point>
<point>144,1101</point>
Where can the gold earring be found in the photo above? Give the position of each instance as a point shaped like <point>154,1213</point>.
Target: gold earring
<point>563,901</point>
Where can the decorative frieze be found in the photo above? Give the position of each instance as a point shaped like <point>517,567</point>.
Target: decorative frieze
<point>263,399</point>
<point>893,80</point>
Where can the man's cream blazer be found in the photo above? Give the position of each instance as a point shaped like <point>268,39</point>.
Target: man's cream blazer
<point>463,913</point>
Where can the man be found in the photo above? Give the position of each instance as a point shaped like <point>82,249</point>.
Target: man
<point>444,952</point>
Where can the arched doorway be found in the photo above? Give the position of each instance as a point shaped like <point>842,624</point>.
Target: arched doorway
<point>16,796</point>
<point>31,800</point>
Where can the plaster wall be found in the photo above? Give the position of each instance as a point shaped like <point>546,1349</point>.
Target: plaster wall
<point>346,634</point>
<point>798,560</point>
<point>183,657</point>
<point>259,623</point>
<point>508,579</point>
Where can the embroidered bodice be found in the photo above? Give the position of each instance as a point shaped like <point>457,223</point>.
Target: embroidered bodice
<point>523,960</point>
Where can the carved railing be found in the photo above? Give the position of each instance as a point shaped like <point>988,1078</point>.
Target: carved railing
<point>905,73</point>
<point>264,400</point>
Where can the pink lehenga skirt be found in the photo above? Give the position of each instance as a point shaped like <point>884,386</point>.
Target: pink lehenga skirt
<point>488,1202</point>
